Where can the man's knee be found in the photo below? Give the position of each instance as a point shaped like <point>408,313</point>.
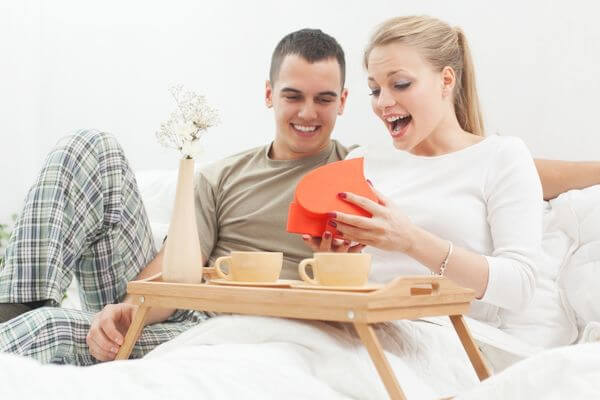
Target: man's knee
<point>93,141</point>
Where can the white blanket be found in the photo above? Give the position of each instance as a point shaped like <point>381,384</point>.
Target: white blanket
<point>259,357</point>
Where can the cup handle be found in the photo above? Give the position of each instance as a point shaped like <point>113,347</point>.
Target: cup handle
<point>302,270</point>
<point>217,267</point>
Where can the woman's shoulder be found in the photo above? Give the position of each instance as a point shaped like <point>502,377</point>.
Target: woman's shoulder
<point>509,147</point>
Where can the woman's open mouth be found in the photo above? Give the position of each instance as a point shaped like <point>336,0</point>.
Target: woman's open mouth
<point>306,130</point>
<point>398,124</point>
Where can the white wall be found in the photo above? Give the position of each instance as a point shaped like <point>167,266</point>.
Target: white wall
<point>108,65</point>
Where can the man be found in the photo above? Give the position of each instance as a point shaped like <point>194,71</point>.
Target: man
<point>84,216</point>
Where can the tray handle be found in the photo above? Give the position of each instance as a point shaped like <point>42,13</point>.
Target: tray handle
<point>420,285</point>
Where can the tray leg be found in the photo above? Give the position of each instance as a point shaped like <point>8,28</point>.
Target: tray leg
<point>369,339</point>
<point>133,333</point>
<point>473,352</point>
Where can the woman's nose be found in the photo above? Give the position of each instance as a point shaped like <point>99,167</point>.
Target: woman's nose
<point>385,99</point>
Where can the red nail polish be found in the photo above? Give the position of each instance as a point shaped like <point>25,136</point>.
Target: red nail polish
<point>332,223</point>
<point>331,215</point>
<point>342,195</point>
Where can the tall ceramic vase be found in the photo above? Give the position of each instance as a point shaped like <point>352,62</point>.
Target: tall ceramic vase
<point>182,257</point>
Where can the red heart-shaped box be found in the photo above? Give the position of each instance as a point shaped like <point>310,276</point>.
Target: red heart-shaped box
<point>317,194</point>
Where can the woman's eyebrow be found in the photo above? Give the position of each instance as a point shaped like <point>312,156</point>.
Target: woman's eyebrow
<point>389,74</point>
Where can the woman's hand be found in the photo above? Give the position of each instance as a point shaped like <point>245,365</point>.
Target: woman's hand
<point>387,229</point>
<point>328,244</point>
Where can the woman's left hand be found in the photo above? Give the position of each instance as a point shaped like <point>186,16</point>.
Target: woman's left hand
<point>387,229</point>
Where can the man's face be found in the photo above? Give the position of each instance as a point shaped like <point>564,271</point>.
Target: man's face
<point>306,98</point>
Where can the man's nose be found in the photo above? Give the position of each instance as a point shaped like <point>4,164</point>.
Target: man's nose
<point>308,111</point>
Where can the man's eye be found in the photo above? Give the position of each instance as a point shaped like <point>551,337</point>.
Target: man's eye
<point>292,97</point>
<point>374,92</point>
<point>324,100</point>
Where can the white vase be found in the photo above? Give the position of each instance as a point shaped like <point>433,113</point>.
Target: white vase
<point>182,260</point>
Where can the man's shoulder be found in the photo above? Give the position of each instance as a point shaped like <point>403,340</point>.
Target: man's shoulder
<point>340,151</point>
<point>215,170</point>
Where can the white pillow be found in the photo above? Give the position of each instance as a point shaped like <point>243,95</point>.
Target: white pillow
<point>580,279</point>
<point>157,188</point>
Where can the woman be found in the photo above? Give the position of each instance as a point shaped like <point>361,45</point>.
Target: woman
<point>453,203</point>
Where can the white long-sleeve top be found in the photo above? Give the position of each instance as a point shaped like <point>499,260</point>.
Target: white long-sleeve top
<point>486,198</point>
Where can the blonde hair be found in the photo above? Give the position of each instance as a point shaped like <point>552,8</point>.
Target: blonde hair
<point>441,46</point>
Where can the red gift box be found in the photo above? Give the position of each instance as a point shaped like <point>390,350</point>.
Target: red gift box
<point>317,194</point>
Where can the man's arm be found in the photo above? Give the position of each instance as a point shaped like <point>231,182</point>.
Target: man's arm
<point>108,329</point>
<point>560,176</point>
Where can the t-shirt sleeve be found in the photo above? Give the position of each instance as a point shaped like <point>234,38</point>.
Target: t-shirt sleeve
<point>514,213</point>
<point>206,214</point>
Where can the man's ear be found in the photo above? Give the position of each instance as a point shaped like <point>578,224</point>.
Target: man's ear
<point>343,97</point>
<point>268,94</point>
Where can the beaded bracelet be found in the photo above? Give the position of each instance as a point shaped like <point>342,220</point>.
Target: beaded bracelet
<point>445,262</point>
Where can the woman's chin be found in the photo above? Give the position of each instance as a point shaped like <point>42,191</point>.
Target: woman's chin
<point>400,144</point>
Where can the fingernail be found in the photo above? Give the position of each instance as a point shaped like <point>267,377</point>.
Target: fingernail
<point>369,182</point>
<point>346,242</point>
<point>113,349</point>
<point>119,341</point>
<point>305,237</point>
<point>332,223</point>
<point>331,215</point>
<point>327,235</point>
<point>342,195</point>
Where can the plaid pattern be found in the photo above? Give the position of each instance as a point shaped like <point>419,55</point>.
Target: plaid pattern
<point>83,218</point>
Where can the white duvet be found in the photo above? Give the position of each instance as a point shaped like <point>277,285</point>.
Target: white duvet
<point>231,357</point>
<point>254,357</point>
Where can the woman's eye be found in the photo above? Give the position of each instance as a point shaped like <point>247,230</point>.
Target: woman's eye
<point>401,85</point>
<point>374,92</point>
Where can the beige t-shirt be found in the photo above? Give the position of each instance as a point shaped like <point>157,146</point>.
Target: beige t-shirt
<point>242,204</point>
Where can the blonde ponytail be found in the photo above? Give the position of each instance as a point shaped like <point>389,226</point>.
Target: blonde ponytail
<point>466,100</point>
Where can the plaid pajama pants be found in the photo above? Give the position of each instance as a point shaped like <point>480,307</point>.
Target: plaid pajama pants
<point>82,218</point>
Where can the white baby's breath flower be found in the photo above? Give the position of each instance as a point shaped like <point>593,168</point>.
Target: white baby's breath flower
<point>188,123</point>
<point>191,149</point>
<point>186,130</point>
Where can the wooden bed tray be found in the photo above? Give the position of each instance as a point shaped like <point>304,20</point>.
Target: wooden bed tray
<point>407,297</point>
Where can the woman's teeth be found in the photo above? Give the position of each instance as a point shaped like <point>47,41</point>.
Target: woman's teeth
<point>398,122</point>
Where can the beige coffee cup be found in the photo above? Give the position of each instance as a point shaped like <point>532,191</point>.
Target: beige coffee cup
<point>337,269</point>
<point>250,266</point>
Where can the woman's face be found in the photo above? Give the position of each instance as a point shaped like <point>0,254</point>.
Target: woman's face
<point>410,97</point>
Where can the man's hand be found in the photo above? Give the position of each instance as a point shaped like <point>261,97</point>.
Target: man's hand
<point>108,330</point>
<point>328,244</point>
